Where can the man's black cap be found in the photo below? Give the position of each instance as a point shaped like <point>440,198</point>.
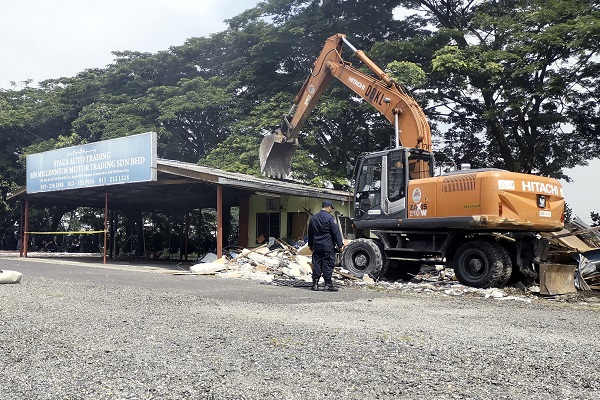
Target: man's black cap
<point>327,203</point>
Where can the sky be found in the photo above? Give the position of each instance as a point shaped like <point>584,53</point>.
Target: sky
<point>583,194</point>
<point>43,39</point>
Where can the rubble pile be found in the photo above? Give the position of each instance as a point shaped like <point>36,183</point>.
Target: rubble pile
<point>265,264</point>
<point>285,265</point>
<point>588,270</point>
<point>578,243</point>
<point>282,264</point>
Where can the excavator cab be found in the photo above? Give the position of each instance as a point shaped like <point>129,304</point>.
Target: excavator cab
<point>381,183</point>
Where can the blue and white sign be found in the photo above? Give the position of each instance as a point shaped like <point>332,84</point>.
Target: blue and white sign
<point>111,162</point>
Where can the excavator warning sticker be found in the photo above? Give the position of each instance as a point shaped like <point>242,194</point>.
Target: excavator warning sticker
<point>546,214</point>
<point>416,195</point>
<point>504,184</point>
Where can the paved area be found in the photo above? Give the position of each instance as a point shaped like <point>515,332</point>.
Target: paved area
<point>79,329</point>
<point>161,276</point>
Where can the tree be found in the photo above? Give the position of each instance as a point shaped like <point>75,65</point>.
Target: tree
<point>516,78</point>
<point>276,60</point>
<point>194,116</point>
<point>595,218</point>
<point>505,83</point>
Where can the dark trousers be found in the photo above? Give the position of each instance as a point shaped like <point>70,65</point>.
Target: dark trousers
<point>323,263</point>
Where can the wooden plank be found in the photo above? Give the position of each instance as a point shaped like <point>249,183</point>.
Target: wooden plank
<point>346,275</point>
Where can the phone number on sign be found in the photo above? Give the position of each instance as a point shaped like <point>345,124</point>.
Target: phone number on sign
<point>53,185</point>
<point>79,183</point>
<point>113,179</point>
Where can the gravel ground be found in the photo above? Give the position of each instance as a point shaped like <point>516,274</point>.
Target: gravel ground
<point>78,340</point>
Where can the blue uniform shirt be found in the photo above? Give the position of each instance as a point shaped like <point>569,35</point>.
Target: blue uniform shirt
<point>323,232</point>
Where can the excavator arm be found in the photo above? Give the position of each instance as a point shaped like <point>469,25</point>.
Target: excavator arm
<point>407,117</point>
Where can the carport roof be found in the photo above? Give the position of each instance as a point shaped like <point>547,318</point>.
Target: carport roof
<point>179,186</point>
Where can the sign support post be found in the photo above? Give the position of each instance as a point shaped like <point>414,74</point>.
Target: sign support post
<point>25,228</point>
<point>105,224</point>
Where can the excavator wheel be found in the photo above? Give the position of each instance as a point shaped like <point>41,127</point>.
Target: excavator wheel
<point>384,262</point>
<point>363,257</point>
<point>507,262</point>
<point>480,264</point>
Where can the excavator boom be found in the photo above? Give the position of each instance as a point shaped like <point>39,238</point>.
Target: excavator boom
<point>412,129</point>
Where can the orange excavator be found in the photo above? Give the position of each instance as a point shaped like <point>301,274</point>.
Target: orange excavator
<point>483,223</point>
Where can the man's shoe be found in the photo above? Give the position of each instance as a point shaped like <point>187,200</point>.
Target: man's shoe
<point>315,285</point>
<point>329,287</point>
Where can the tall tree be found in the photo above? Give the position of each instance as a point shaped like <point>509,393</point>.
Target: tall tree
<point>517,78</point>
<point>272,61</point>
<point>508,83</point>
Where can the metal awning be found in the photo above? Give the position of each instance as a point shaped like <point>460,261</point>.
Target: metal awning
<point>179,187</point>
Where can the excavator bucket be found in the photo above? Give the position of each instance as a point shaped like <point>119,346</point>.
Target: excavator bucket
<point>276,156</point>
<point>557,279</point>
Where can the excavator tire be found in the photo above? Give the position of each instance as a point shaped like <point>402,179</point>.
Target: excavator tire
<point>363,257</point>
<point>507,262</point>
<point>384,263</point>
<point>479,264</point>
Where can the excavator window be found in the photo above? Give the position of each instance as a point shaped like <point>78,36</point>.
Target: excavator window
<point>395,179</point>
<point>368,187</point>
<point>420,165</point>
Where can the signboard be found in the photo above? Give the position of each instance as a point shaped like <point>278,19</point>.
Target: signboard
<point>111,162</point>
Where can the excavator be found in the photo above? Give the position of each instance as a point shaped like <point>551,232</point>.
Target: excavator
<point>483,223</point>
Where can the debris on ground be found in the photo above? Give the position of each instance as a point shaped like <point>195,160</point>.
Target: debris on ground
<point>578,244</point>
<point>7,276</point>
<point>284,265</point>
<point>588,270</point>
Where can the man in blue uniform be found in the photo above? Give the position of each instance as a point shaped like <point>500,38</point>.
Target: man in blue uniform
<point>323,237</point>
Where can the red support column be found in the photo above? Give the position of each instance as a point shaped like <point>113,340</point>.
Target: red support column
<point>219,221</point>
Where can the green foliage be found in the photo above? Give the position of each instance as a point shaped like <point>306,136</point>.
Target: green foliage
<point>505,83</point>
<point>509,74</point>
<point>194,115</point>
<point>595,218</point>
<point>568,212</point>
<point>237,153</point>
<point>406,73</point>
<point>53,144</point>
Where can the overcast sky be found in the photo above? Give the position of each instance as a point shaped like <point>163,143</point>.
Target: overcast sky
<point>42,39</point>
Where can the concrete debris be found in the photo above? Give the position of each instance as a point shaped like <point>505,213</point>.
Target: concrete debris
<point>7,276</point>
<point>283,265</point>
<point>208,257</point>
<point>208,268</point>
<point>587,276</point>
<point>578,244</point>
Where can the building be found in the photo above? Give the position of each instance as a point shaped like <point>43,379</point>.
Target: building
<point>267,207</point>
